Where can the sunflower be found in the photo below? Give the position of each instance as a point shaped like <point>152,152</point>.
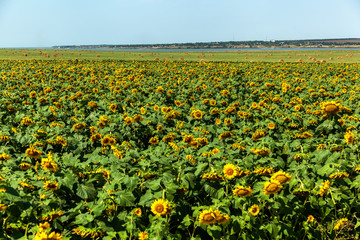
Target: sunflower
<point>272,187</point>
<point>113,107</point>
<point>254,210</point>
<point>79,126</point>
<point>160,207</point>
<point>226,135</point>
<point>281,176</point>
<point>191,159</point>
<point>221,218</point>
<point>62,141</point>
<point>137,212</point>
<point>271,126</point>
<point>107,140</point>
<point>33,152</point>
<point>128,120</point>
<point>349,137</point>
<point>138,118</point>
<point>41,235</point>
<point>156,108</point>
<point>339,224</point>
<point>261,152</point>
<point>154,140</point>
<point>4,157</point>
<point>230,171</point>
<point>207,217</point>
<point>324,188</point>
<point>227,121</point>
<point>51,185</point>
<point>143,235</point>
<point>311,218</point>
<point>197,114</point>
<point>24,166</point>
<point>242,191</point>
<point>330,108</point>
<point>159,128</point>
<point>339,175</point>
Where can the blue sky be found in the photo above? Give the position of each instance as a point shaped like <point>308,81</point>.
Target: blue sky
<point>46,23</point>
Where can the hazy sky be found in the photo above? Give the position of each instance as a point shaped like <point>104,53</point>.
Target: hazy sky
<point>45,23</point>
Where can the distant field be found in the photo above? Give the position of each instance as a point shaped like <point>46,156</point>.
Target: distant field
<point>329,56</point>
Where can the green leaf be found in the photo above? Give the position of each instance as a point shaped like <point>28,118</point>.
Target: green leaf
<point>214,231</point>
<point>86,191</point>
<point>125,198</point>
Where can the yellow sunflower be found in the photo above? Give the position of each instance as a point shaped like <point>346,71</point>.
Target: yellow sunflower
<point>281,176</point>
<point>330,108</point>
<point>254,210</point>
<point>160,207</point>
<point>143,235</point>
<point>51,185</point>
<point>207,217</point>
<point>272,187</point>
<point>230,171</point>
<point>154,140</point>
<point>242,191</point>
<point>33,152</point>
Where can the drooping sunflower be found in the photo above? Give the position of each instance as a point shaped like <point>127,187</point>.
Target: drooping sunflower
<point>340,223</point>
<point>207,217</point>
<point>254,210</point>
<point>51,185</point>
<point>242,191</point>
<point>33,152</point>
<point>24,166</point>
<point>160,207</point>
<point>79,126</point>
<point>281,176</point>
<point>349,137</point>
<point>4,157</point>
<point>230,171</point>
<point>221,218</point>
<point>324,188</point>
<point>272,187</point>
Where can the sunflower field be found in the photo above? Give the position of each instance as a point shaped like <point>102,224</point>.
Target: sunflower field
<point>179,150</point>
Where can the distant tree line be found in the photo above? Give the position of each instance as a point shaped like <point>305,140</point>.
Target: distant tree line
<point>229,44</point>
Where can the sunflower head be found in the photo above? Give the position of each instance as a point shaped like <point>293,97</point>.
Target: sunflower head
<point>230,171</point>
<point>160,207</point>
<point>281,176</point>
<point>242,191</point>
<point>254,210</point>
<point>207,217</point>
<point>272,187</point>
<point>330,108</point>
